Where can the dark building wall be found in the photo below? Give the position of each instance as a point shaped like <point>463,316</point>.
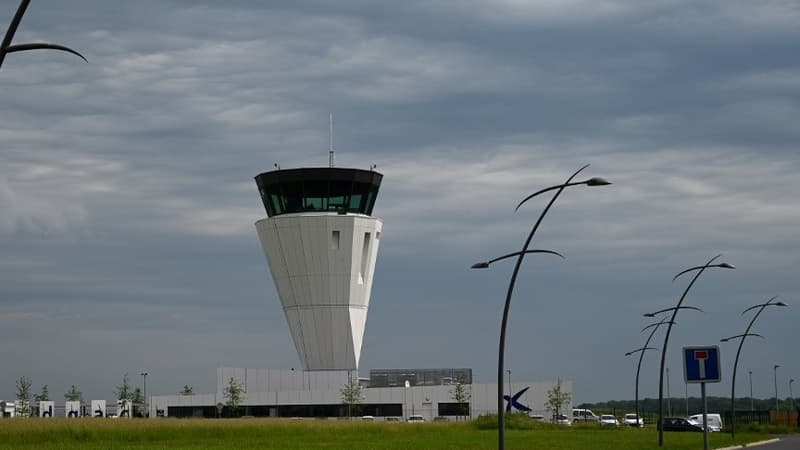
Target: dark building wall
<point>418,377</point>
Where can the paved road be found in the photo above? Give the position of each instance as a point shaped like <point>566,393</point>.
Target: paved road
<point>787,442</point>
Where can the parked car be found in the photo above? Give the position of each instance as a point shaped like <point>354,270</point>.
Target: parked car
<point>368,418</point>
<point>537,417</point>
<point>607,420</point>
<point>632,420</point>
<point>561,419</point>
<point>416,418</point>
<point>584,415</point>
<point>679,424</point>
<point>714,421</point>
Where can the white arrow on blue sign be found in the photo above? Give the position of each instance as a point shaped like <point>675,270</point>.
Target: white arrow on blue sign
<point>701,364</point>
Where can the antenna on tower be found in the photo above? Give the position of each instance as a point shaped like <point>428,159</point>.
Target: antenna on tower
<point>330,151</point>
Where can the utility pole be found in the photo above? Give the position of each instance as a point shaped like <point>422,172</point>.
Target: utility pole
<point>146,412</point>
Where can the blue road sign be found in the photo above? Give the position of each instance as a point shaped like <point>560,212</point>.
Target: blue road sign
<point>701,364</point>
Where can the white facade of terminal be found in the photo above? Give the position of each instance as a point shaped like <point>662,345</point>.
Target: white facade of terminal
<point>273,390</point>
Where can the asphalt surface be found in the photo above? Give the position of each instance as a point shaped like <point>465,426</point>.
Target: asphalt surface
<point>787,442</point>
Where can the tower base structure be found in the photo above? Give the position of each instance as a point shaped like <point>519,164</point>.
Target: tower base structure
<point>322,265</point>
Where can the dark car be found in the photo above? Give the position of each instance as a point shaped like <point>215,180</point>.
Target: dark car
<point>680,424</point>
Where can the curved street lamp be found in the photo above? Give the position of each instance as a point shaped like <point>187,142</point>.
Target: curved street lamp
<point>6,46</point>
<point>641,351</point>
<point>700,270</point>
<point>520,256</point>
<point>791,394</point>
<point>674,308</point>
<point>741,338</point>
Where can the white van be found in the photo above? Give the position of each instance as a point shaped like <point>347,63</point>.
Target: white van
<point>584,415</point>
<point>714,421</point>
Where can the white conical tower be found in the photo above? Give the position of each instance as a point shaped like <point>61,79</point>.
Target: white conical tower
<point>321,244</point>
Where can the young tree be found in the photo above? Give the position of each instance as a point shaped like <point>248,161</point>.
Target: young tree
<point>234,394</point>
<point>123,391</point>
<point>352,396</point>
<point>461,395</point>
<point>73,394</point>
<point>137,400</point>
<point>24,396</point>
<point>187,390</point>
<point>42,396</point>
<point>556,399</point>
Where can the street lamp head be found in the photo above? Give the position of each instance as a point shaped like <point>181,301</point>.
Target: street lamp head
<point>597,181</point>
<point>649,315</point>
<point>726,266</point>
<point>776,366</point>
<point>725,339</point>
<point>780,304</point>
<point>480,265</point>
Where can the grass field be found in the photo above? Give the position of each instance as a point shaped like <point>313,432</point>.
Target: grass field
<point>330,434</point>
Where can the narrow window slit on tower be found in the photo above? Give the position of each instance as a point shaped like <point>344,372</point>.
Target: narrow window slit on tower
<point>364,258</point>
<point>335,239</point>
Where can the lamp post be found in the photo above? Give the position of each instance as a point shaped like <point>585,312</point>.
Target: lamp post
<point>520,256</point>
<point>791,394</point>
<point>675,309</point>
<point>405,390</point>
<point>775,370</point>
<point>760,307</point>
<point>144,382</point>
<point>509,383</point>
<point>641,351</point>
<point>752,404</point>
<point>6,46</point>
<point>669,396</point>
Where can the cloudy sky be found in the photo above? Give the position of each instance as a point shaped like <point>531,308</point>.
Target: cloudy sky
<point>127,198</point>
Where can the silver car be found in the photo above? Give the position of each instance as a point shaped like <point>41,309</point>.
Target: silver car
<point>607,420</point>
<point>632,420</point>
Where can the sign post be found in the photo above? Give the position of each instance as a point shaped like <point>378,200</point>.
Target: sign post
<point>701,365</point>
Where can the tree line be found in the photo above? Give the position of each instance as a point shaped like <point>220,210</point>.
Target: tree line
<point>123,391</point>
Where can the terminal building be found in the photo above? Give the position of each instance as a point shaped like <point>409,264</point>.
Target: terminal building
<point>321,244</point>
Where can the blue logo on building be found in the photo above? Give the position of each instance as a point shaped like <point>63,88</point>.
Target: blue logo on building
<point>513,401</point>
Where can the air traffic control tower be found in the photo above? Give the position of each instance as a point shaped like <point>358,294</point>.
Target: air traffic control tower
<point>321,243</point>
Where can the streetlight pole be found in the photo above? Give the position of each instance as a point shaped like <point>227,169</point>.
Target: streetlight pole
<point>742,337</point>
<point>6,46</point>
<point>669,396</point>
<point>700,270</point>
<point>791,394</point>
<point>144,376</point>
<point>775,370</point>
<point>752,404</point>
<point>405,390</point>
<point>641,351</point>
<point>520,256</point>
<point>509,383</point>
